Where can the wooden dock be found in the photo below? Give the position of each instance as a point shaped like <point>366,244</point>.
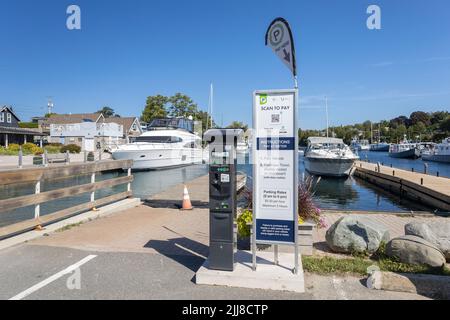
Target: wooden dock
<point>430,190</point>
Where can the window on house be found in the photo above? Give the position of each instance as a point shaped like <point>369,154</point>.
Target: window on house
<point>134,127</point>
<point>8,117</point>
<point>2,117</point>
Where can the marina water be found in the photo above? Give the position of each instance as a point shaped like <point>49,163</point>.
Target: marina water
<point>339,194</point>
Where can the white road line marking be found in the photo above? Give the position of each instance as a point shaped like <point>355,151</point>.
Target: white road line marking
<point>49,280</point>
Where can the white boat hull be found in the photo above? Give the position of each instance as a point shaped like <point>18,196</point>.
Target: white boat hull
<point>329,167</point>
<point>160,158</point>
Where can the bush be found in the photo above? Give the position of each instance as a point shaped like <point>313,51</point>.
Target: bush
<point>54,144</point>
<point>244,218</point>
<point>53,149</point>
<point>307,210</point>
<point>72,148</point>
<point>28,147</point>
<point>13,147</point>
<point>6,152</point>
<point>37,151</point>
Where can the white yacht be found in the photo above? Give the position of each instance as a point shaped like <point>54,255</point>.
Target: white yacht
<point>360,145</point>
<point>438,153</point>
<point>167,143</point>
<point>329,157</point>
<point>242,147</point>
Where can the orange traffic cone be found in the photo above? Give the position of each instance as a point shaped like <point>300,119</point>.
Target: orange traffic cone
<point>187,205</point>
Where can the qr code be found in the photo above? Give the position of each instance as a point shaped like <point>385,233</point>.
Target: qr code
<point>275,118</point>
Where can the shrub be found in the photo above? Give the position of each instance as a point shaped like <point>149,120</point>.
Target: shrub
<point>55,144</point>
<point>28,147</point>
<point>53,149</point>
<point>244,218</point>
<point>72,148</point>
<point>306,207</point>
<point>37,151</point>
<point>13,147</point>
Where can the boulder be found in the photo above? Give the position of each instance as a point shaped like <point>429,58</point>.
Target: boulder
<point>356,234</point>
<point>436,232</point>
<point>415,250</point>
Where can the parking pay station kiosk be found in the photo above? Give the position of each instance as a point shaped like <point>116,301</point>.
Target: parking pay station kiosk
<point>222,196</point>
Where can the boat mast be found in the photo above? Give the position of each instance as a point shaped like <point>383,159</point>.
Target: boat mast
<point>211,97</point>
<point>326,110</point>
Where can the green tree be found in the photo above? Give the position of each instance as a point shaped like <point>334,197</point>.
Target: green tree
<point>238,125</point>
<point>155,107</point>
<point>181,105</point>
<point>445,125</point>
<point>107,112</point>
<point>420,116</point>
<point>205,119</point>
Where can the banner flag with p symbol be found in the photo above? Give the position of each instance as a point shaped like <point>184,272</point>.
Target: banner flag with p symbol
<point>279,38</point>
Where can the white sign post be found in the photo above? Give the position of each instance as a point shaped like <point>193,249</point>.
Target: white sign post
<point>275,170</point>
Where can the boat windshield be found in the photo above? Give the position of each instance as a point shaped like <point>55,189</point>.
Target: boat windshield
<point>327,146</point>
<point>158,139</point>
<point>178,123</point>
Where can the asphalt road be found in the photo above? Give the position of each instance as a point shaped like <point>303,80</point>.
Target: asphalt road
<point>119,275</point>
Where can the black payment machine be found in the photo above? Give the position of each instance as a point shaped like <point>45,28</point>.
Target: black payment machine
<point>222,196</point>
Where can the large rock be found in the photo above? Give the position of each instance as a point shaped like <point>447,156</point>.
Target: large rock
<point>436,232</point>
<point>356,234</point>
<point>415,250</point>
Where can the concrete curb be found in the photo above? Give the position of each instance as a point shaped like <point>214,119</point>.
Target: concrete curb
<point>80,218</point>
<point>423,284</point>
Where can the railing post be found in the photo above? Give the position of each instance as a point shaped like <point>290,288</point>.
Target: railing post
<point>20,157</point>
<point>37,207</point>
<point>425,168</point>
<point>67,157</point>
<point>85,156</point>
<point>93,192</point>
<point>100,155</point>
<point>129,183</point>
<point>45,160</point>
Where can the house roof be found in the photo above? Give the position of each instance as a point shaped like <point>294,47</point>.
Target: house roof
<point>10,110</point>
<point>14,130</point>
<point>73,118</point>
<point>126,122</point>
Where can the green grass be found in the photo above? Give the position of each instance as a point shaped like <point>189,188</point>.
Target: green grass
<point>358,266</point>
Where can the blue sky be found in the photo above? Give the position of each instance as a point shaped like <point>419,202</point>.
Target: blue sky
<point>127,50</point>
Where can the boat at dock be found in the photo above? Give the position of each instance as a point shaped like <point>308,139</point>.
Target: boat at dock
<point>168,143</point>
<point>329,157</point>
<point>380,147</point>
<point>404,149</point>
<point>360,145</point>
<point>438,152</point>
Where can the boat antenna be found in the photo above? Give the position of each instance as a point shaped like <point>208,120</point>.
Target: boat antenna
<point>326,110</point>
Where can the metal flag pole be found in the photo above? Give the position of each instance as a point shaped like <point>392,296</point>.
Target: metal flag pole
<point>296,262</point>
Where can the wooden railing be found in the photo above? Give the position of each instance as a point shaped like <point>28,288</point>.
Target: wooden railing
<point>37,175</point>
